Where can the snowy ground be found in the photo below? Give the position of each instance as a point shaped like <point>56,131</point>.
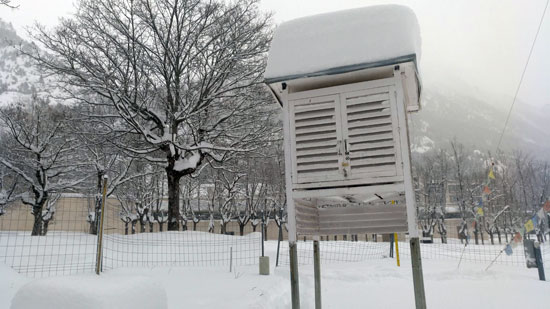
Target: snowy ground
<point>377,283</point>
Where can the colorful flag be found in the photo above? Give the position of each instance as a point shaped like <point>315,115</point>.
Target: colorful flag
<point>486,190</point>
<point>508,249</point>
<point>480,211</point>
<point>516,240</point>
<point>491,174</point>
<point>529,226</point>
<point>535,220</point>
<point>547,206</point>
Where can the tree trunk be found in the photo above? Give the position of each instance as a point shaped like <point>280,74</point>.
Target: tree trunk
<point>97,205</point>
<point>482,237</point>
<point>37,226</point>
<point>161,225</point>
<point>241,229</point>
<point>45,227</point>
<point>133,228</point>
<point>173,199</point>
<point>125,228</point>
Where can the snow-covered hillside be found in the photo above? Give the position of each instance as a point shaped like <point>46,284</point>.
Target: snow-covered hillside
<point>19,78</point>
<point>447,113</point>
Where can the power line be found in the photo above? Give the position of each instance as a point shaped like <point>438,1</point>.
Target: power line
<point>522,75</point>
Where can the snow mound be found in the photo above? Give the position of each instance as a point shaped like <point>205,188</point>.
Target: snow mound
<point>353,37</point>
<point>91,292</point>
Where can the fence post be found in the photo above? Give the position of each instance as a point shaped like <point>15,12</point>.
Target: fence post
<point>99,255</point>
<point>538,257</point>
<point>262,228</point>
<point>230,259</point>
<point>317,272</point>
<point>280,238</point>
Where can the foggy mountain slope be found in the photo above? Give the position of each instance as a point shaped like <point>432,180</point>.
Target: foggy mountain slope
<point>446,114</point>
<point>449,108</point>
<point>19,78</point>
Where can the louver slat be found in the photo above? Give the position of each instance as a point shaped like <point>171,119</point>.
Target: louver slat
<point>317,130</point>
<point>370,133</point>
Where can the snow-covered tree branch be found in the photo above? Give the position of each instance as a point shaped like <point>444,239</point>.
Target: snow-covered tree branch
<point>183,75</point>
<point>40,152</point>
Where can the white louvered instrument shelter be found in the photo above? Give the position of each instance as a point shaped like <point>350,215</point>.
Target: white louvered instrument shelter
<point>349,150</point>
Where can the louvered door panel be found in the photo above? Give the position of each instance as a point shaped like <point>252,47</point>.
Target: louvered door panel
<point>317,132</point>
<point>369,119</point>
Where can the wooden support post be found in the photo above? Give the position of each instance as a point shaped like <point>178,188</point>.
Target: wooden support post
<point>418,277</point>
<point>317,273</point>
<point>294,284</point>
<point>99,254</point>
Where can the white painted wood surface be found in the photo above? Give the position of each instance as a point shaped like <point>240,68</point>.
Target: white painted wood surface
<point>349,143</point>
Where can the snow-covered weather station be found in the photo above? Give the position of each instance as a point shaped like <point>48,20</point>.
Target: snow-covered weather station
<point>346,82</point>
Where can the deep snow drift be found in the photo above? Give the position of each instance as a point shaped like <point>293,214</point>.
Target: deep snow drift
<point>376,283</point>
<point>351,37</point>
<point>91,291</point>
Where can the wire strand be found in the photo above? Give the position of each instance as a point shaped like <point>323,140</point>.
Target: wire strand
<point>522,75</point>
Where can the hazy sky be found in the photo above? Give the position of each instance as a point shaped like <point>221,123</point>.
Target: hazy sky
<point>480,45</point>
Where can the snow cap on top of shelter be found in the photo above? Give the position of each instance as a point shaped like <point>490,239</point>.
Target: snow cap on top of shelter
<point>343,41</point>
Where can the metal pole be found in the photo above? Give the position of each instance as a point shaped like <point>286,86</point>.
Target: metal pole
<point>280,236</point>
<point>397,250</point>
<point>418,278</point>
<point>538,257</point>
<point>294,287</point>
<point>99,255</point>
<point>317,273</point>
<point>262,233</point>
<point>230,259</point>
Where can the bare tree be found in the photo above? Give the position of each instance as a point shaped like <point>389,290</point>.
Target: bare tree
<point>184,75</point>
<point>49,211</point>
<point>127,214</point>
<point>88,125</point>
<point>140,193</point>
<point>8,3</point>
<point>8,186</point>
<point>254,191</point>
<point>41,152</point>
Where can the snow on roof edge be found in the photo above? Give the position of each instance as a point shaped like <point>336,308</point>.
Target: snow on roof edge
<point>346,69</point>
<point>342,41</point>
